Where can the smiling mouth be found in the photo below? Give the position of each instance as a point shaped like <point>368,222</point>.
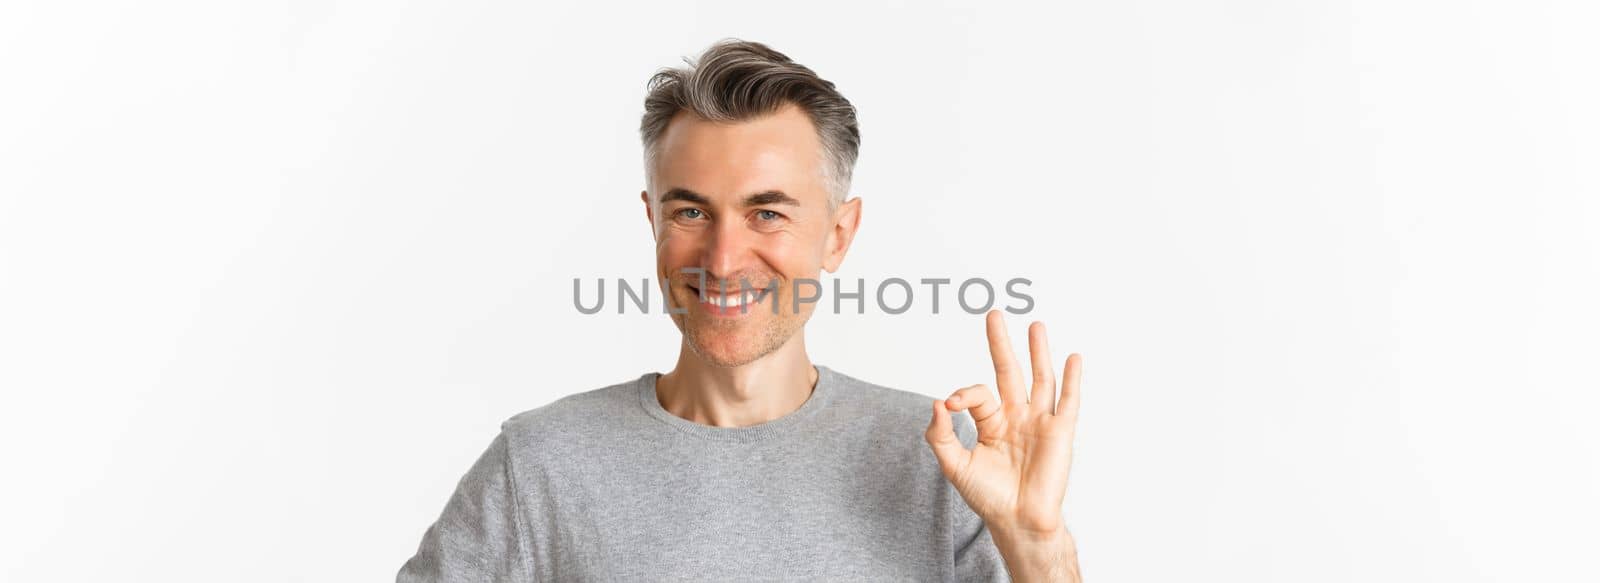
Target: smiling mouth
<point>735,301</point>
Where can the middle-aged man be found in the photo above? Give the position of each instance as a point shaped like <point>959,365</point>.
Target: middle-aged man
<point>746,461</point>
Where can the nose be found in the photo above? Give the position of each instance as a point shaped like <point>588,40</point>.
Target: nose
<point>728,253</point>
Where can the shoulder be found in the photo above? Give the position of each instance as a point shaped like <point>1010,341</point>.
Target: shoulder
<point>898,407</point>
<point>576,414</point>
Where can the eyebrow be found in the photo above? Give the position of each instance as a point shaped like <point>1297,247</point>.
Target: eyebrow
<point>757,199</point>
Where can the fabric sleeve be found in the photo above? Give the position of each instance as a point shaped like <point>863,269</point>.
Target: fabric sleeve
<point>977,558</point>
<point>481,534</point>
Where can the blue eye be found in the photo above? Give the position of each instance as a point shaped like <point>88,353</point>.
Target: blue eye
<point>690,213</point>
<point>767,215</point>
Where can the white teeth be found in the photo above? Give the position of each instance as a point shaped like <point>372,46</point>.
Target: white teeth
<point>732,300</point>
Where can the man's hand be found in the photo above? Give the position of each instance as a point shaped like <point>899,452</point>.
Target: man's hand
<point>1015,478</point>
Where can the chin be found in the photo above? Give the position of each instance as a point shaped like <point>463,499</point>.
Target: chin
<point>725,360</point>
<point>728,343</point>
<point>727,348</point>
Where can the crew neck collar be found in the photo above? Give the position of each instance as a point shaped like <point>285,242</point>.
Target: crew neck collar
<point>821,393</point>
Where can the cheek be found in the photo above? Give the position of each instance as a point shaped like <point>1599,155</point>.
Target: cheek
<point>677,248</point>
<point>792,257</point>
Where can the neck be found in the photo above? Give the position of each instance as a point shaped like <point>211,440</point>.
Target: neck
<point>750,394</point>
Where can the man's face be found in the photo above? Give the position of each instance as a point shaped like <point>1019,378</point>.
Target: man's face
<point>743,200</point>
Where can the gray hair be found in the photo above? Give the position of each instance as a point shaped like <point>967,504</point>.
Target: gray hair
<point>736,80</point>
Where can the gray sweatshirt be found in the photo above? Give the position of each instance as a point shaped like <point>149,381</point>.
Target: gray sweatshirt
<point>606,485</point>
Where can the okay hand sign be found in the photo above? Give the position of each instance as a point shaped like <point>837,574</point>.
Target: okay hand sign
<point>1015,478</point>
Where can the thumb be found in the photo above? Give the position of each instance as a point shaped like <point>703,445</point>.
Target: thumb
<point>941,436</point>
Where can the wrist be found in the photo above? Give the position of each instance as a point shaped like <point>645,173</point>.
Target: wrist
<point>1056,538</point>
<point>1036,555</point>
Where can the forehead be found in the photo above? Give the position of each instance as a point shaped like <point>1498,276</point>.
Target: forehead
<point>780,151</point>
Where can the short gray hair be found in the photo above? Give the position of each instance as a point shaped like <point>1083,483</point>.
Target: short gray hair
<point>736,80</point>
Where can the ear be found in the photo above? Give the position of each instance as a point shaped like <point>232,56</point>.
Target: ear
<point>649,213</point>
<point>846,219</point>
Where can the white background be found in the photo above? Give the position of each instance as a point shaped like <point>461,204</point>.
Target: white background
<point>272,273</point>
